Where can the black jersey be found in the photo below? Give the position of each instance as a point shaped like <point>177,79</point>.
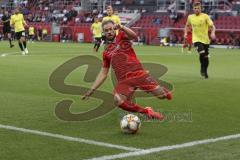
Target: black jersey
<point>6,18</point>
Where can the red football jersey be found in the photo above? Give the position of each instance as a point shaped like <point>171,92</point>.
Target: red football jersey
<point>121,56</point>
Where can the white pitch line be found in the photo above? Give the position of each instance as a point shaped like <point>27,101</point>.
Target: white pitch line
<point>67,138</point>
<point>166,148</point>
<point>10,53</point>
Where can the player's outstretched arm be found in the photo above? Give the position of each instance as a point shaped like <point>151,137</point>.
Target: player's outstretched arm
<point>98,82</point>
<point>130,33</point>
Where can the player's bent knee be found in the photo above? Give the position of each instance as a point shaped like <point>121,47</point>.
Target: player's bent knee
<point>118,99</point>
<point>204,55</point>
<point>201,52</point>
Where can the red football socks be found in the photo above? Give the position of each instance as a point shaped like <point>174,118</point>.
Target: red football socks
<point>131,107</point>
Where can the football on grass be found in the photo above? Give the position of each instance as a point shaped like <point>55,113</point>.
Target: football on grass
<point>130,124</point>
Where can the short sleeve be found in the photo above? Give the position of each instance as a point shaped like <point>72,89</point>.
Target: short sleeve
<point>104,19</point>
<point>118,20</point>
<point>106,61</point>
<point>23,20</point>
<point>209,21</point>
<point>11,20</point>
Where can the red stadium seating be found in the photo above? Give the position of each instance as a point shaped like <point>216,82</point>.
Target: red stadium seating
<point>224,23</point>
<point>148,22</point>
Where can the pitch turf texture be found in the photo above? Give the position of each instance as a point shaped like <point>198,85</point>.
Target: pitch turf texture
<point>27,101</point>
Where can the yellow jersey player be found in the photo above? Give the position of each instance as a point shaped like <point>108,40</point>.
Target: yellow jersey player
<point>17,22</point>
<point>200,24</point>
<point>31,33</point>
<point>44,34</point>
<point>96,29</point>
<point>111,16</point>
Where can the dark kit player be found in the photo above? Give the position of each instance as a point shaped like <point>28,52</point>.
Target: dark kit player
<point>6,27</point>
<point>128,70</point>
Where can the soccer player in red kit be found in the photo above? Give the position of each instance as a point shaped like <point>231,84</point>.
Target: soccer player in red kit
<point>128,70</point>
<point>188,40</point>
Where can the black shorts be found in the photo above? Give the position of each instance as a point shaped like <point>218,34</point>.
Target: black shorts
<point>6,29</point>
<point>104,39</point>
<point>19,35</point>
<point>98,39</point>
<point>202,48</point>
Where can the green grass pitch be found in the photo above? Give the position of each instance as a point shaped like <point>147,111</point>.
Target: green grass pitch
<point>27,101</point>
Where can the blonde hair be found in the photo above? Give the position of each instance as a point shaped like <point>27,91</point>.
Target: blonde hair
<point>197,4</point>
<point>106,22</point>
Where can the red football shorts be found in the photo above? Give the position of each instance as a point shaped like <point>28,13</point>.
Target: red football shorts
<point>136,80</point>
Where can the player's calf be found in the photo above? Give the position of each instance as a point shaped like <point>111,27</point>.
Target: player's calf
<point>162,93</point>
<point>123,103</point>
<point>119,99</point>
<point>153,115</point>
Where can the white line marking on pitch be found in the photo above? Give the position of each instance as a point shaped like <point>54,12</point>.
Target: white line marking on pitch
<point>6,54</point>
<point>166,148</point>
<point>67,138</point>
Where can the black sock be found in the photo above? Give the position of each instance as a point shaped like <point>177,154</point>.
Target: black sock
<point>10,41</point>
<point>201,59</point>
<point>25,44</point>
<point>206,64</point>
<point>98,45</point>
<point>21,46</point>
